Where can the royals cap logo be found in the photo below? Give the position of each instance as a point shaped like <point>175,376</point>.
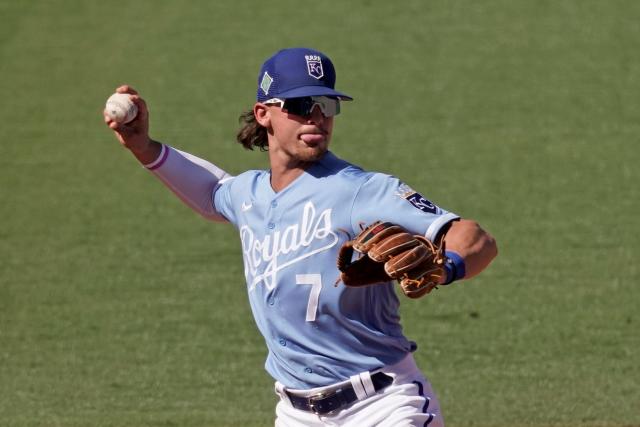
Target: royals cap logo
<point>314,66</point>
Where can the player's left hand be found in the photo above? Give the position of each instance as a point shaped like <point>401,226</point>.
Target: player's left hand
<point>390,252</point>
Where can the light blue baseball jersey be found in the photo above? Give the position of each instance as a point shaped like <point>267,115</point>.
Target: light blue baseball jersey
<point>317,330</point>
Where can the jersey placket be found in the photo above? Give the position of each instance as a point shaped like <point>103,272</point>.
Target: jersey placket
<point>272,221</point>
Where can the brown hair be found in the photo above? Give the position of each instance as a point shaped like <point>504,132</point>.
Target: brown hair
<point>251,133</point>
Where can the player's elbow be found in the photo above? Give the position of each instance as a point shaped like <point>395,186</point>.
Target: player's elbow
<point>489,246</point>
<point>486,250</point>
<point>485,244</point>
<point>474,244</point>
<point>466,235</point>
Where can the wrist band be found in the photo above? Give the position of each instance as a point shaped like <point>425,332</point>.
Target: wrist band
<point>454,266</point>
<point>164,152</point>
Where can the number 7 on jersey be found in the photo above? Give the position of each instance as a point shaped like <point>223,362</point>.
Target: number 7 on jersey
<point>315,280</point>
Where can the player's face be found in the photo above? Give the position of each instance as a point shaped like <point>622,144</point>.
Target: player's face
<point>299,139</point>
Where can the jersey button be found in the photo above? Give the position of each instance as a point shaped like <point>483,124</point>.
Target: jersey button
<point>308,370</point>
<point>274,204</point>
<point>283,342</point>
<point>271,225</point>
<point>271,301</point>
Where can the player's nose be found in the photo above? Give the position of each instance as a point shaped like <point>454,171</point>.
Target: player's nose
<point>316,116</point>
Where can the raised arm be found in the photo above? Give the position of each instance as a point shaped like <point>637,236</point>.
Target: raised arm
<point>192,179</point>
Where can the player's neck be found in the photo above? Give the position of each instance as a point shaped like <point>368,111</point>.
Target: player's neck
<point>290,161</point>
<point>285,169</point>
<point>281,177</point>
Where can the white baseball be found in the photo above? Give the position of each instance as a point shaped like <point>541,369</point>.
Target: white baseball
<point>120,108</point>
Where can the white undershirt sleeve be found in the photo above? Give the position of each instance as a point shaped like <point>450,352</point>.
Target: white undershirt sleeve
<point>192,179</point>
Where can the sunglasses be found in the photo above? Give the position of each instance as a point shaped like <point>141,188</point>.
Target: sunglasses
<point>304,106</point>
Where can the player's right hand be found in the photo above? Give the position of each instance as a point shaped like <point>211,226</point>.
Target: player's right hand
<point>135,134</point>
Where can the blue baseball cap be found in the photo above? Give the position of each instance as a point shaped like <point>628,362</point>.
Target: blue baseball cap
<point>297,72</point>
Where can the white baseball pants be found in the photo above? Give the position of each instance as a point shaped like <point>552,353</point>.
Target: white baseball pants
<point>408,401</point>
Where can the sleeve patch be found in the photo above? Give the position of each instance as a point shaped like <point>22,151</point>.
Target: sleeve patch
<point>421,203</point>
<point>416,199</point>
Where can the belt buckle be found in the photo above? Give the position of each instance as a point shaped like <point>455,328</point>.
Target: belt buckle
<point>313,399</point>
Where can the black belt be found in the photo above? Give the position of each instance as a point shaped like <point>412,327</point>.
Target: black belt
<point>324,403</point>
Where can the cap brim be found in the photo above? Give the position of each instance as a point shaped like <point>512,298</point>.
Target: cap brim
<point>313,91</point>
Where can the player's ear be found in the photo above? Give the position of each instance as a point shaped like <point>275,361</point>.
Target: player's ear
<point>262,114</point>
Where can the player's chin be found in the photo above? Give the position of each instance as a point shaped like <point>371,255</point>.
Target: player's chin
<point>313,152</point>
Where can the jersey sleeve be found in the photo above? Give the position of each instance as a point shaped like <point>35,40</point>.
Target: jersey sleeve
<point>385,198</point>
<point>223,201</point>
<point>192,179</point>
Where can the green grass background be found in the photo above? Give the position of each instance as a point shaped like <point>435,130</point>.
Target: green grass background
<point>120,307</point>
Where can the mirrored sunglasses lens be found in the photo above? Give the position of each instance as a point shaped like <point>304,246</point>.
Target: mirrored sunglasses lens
<point>299,106</point>
<point>329,106</point>
<point>304,106</point>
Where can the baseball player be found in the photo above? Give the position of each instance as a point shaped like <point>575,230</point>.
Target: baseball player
<point>337,353</point>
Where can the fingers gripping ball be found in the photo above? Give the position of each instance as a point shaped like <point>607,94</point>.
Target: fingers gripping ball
<point>120,108</point>
<point>387,251</point>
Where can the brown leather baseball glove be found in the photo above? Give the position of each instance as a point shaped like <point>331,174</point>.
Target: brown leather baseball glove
<point>387,251</point>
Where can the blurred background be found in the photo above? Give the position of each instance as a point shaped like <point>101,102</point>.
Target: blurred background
<point>121,307</point>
